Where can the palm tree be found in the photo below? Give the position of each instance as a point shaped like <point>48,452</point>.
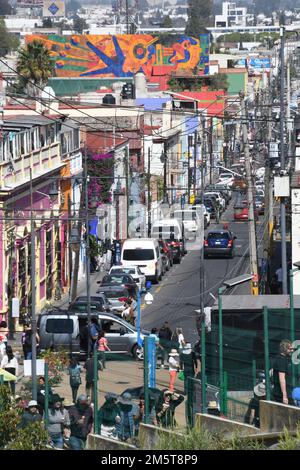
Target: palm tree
<point>34,67</point>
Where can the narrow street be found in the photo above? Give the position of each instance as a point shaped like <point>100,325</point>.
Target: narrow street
<point>178,296</point>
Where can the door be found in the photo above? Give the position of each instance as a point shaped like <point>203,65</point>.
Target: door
<point>116,341</point>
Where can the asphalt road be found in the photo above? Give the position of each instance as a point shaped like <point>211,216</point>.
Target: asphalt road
<point>178,295</point>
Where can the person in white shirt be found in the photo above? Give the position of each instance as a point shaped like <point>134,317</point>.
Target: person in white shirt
<point>173,367</point>
<point>10,363</point>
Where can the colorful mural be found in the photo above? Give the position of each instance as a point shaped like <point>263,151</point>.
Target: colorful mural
<point>122,55</point>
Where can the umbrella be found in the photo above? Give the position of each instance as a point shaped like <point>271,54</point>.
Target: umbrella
<point>7,376</point>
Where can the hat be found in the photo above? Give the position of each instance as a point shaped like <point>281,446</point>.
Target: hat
<point>173,352</point>
<point>260,389</point>
<point>187,348</point>
<point>125,399</point>
<point>111,396</point>
<point>32,403</point>
<point>213,405</point>
<point>55,398</point>
<point>82,397</point>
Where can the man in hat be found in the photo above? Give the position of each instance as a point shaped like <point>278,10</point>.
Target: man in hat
<point>59,421</point>
<point>165,411</point>
<point>30,415</point>
<point>81,420</point>
<point>252,414</point>
<point>173,367</point>
<point>125,421</point>
<point>107,414</point>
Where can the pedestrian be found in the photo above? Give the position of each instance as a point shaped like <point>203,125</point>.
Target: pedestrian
<point>107,415</point>
<point>134,309</point>
<point>141,416</point>
<point>125,421</point>
<point>41,391</point>
<point>102,348</point>
<point>10,363</point>
<point>3,335</point>
<point>252,414</point>
<point>30,415</point>
<point>189,365</point>
<point>282,376</point>
<point>94,333</point>
<point>165,336</point>
<point>89,375</point>
<point>59,421</point>
<point>279,276</point>
<point>165,411</point>
<point>75,378</point>
<point>27,342</point>
<point>81,422</point>
<point>173,367</point>
<point>126,313</point>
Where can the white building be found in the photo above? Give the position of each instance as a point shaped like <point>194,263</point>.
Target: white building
<point>232,15</point>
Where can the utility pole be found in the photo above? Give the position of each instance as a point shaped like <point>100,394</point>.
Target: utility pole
<point>202,287</point>
<point>149,192</point>
<point>165,197</point>
<point>195,164</point>
<point>87,250</point>
<point>190,143</point>
<point>33,296</point>
<point>210,150</point>
<point>251,217</point>
<point>127,17</point>
<point>282,161</point>
<point>268,187</point>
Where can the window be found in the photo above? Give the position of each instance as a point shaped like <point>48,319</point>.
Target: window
<point>139,254</point>
<point>110,326</point>
<point>217,236</point>
<point>59,325</point>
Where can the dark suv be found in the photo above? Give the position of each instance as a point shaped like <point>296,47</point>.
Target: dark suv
<point>219,242</point>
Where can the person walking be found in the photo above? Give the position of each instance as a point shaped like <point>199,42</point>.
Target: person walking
<point>282,374</point>
<point>75,378</point>
<point>26,342</point>
<point>165,336</point>
<point>59,421</point>
<point>173,368</point>
<point>102,348</point>
<point>94,331</point>
<point>81,422</point>
<point>10,363</point>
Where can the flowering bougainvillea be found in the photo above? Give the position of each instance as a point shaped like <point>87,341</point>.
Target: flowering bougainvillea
<point>101,172</point>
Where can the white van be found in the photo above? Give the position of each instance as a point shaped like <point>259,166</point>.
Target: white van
<point>189,218</point>
<point>144,253</point>
<point>166,229</point>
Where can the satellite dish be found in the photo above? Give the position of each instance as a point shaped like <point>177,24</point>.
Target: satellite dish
<point>48,93</point>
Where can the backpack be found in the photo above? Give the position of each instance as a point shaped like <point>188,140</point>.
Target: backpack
<point>75,379</point>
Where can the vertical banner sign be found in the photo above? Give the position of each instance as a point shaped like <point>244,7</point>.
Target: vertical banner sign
<point>152,362</point>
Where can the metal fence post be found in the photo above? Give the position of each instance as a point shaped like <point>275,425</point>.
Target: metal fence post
<point>254,372</point>
<point>225,382</point>
<point>203,368</point>
<point>95,385</point>
<point>46,418</point>
<point>146,381</point>
<point>220,291</point>
<point>292,315</point>
<point>267,356</point>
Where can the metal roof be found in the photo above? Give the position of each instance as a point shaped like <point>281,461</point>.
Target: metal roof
<point>251,302</point>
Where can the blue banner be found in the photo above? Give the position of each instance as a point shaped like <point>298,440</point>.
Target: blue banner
<point>152,361</point>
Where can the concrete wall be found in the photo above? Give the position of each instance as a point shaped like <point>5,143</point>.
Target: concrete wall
<point>275,416</point>
<point>149,435</point>
<point>227,427</point>
<point>97,442</point>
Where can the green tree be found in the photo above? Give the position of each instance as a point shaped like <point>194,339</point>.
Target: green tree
<point>199,17</point>
<point>5,8</point>
<point>79,25</point>
<point>8,42</point>
<point>167,22</point>
<point>219,82</point>
<point>35,66</point>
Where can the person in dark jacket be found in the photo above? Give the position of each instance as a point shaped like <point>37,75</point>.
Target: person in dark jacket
<point>165,411</point>
<point>81,422</point>
<point>30,415</point>
<point>189,365</point>
<point>165,336</point>
<point>58,421</point>
<point>107,415</point>
<point>41,394</point>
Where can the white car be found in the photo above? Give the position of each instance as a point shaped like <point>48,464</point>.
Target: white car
<point>134,271</point>
<point>226,178</point>
<point>220,198</point>
<point>206,216</point>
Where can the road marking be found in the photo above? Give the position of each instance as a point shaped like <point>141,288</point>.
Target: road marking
<point>158,289</point>
<point>143,306</point>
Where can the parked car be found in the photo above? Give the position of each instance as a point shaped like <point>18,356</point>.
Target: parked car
<point>210,206</point>
<point>134,271</point>
<point>167,254</point>
<point>202,212</point>
<point>144,253</point>
<point>99,303</point>
<point>124,280</point>
<point>64,330</point>
<point>259,205</point>
<point>219,243</point>
<point>220,198</point>
<point>117,295</point>
<point>171,231</point>
<point>189,219</point>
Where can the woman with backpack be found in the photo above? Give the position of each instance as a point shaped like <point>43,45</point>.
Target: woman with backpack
<point>75,379</point>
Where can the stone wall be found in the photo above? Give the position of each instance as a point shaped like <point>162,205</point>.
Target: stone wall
<point>277,416</point>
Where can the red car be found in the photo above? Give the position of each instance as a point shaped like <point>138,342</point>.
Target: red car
<point>167,253</point>
<point>241,212</point>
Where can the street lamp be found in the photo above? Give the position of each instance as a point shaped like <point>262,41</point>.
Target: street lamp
<point>226,285</point>
<point>292,311</point>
